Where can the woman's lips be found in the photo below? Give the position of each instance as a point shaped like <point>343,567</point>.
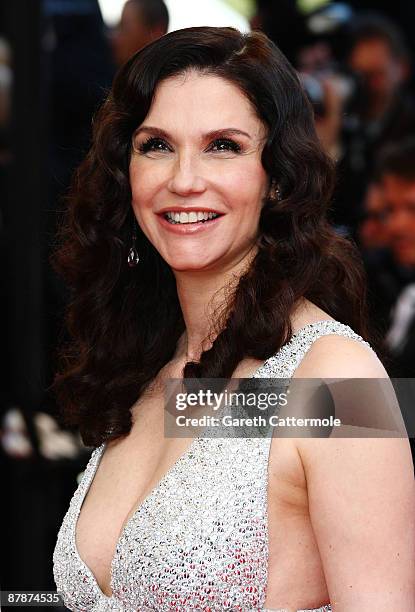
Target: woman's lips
<point>188,228</point>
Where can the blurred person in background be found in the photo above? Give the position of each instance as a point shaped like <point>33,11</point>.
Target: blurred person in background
<point>383,276</point>
<point>373,231</point>
<point>402,12</point>
<point>396,178</point>
<point>398,183</point>
<point>392,273</point>
<point>381,109</point>
<point>142,21</point>
<point>283,23</point>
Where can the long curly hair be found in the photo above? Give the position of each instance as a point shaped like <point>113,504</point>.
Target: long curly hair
<point>124,323</point>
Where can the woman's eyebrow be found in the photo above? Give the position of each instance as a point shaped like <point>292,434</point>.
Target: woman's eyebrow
<point>226,131</point>
<point>155,131</point>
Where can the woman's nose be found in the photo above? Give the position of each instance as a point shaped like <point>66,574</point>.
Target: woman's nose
<point>186,176</point>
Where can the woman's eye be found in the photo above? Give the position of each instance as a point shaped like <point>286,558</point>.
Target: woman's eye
<point>158,145</point>
<point>224,144</point>
<point>153,144</point>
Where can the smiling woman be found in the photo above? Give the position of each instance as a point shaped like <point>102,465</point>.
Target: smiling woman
<point>206,165</point>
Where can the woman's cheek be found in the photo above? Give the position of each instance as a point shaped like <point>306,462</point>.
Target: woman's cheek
<point>146,185</point>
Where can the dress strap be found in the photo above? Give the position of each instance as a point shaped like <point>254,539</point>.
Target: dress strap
<point>284,363</point>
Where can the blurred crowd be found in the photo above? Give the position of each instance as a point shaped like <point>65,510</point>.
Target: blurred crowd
<point>355,60</point>
<point>356,63</point>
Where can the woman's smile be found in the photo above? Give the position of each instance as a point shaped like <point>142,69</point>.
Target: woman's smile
<point>189,220</point>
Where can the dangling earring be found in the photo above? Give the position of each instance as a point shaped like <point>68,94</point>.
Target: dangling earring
<point>275,192</point>
<point>133,257</point>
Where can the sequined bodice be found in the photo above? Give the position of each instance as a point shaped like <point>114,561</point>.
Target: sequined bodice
<point>199,540</point>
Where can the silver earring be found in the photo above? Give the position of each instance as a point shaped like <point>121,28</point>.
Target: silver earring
<point>133,257</point>
<point>275,192</point>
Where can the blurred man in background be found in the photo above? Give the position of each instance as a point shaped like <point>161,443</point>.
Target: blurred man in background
<point>382,271</point>
<point>380,111</point>
<point>378,54</point>
<point>283,23</point>
<point>373,231</point>
<point>142,21</point>
<point>394,286</point>
<point>396,176</point>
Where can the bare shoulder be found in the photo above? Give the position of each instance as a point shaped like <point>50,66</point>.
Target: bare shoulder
<point>337,356</point>
<point>333,355</point>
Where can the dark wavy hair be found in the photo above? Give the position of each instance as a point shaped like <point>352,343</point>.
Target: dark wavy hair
<point>124,323</point>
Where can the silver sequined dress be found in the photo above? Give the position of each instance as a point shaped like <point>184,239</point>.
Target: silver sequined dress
<point>199,540</point>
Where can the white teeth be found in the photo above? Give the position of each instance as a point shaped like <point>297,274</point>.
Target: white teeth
<point>192,217</point>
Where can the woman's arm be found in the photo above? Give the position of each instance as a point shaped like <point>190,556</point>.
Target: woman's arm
<point>361,494</point>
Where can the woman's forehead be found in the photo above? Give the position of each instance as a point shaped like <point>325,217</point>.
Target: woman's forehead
<point>211,100</point>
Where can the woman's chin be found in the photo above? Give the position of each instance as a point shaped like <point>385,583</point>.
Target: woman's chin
<point>192,264</point>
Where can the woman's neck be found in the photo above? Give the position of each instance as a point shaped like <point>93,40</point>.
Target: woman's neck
<point>204,298</point>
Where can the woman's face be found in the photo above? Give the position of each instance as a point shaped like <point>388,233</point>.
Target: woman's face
<point>197,155</point>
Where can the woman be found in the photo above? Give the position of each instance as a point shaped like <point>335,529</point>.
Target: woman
<point>206,175</point>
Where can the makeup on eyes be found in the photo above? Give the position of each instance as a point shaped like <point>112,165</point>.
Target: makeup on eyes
<point>157,144</point>
<point>222,137</point>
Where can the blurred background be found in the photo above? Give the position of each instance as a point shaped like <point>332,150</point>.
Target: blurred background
<point>57,62</point>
